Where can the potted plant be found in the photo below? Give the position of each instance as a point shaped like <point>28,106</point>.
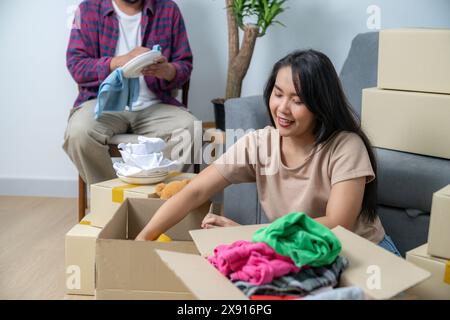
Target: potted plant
<point>253,17</point>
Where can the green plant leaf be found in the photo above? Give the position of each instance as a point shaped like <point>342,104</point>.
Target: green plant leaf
<point>265,12</point>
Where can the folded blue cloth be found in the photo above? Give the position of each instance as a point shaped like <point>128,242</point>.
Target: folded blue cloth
<point>116,93</point>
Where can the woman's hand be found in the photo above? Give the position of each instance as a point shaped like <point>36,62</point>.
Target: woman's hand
<point>213,220</point>
<point>196,193</point>
<point>140,237</point>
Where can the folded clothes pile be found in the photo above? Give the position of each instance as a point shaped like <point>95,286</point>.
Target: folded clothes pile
<point>300,284</point>
<point>292,258</point>
<point>256,263</point>
<point>144,159</point>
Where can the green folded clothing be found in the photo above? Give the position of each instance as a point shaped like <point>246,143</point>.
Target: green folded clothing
<point>301,238</point>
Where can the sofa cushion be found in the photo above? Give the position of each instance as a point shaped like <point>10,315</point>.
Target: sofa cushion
<point>407,228</point>
<point>241,203</point>
<point>360,68</point>
<point>407,180</point>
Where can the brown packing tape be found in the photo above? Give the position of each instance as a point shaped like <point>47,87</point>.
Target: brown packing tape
<point>447,273</point>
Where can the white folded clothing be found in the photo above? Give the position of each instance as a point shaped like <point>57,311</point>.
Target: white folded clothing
<point>126,170</point>
<point>144,159</point>
<point>145,146</point>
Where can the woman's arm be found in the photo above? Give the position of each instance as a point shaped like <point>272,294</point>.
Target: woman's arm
<point>344,204</point>
<point>197,192</point>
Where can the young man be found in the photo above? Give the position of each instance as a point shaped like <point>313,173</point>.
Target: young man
<point>106,34</point>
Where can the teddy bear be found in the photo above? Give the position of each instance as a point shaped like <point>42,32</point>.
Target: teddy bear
<point>166,191</point>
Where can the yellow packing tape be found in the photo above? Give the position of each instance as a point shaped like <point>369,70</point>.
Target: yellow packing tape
<point>117,192</point>
<point>164,238</point>
<point>447,273</point>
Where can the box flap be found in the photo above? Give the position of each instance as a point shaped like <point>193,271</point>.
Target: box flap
<point>114,227</point>
<point>83,231</point>
<point>207,239</point>
<point>422,252</point>
<point>206,283</point>
<point>381,274</point>
<point>134,265</point>
<point>140,211</point>
<point>192,221</point>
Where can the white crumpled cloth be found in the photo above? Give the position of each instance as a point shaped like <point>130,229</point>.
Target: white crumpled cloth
<point>144,158</point>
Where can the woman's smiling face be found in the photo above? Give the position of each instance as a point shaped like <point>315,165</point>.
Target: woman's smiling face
<point>291,116</point>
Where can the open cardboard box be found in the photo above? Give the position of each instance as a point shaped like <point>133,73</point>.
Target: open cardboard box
<point>381,274</point>
<point>128,269</point>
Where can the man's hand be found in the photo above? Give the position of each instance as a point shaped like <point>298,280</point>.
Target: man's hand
<point>120,61</point>
<point>162,69</point>
<point>212,221</point>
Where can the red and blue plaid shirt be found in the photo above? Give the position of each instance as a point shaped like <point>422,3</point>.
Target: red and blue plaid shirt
<point>94,37</point>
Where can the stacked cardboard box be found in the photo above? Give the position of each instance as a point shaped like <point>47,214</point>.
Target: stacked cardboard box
<point>410,111</point>
<point>435,256</point>
<point>80,258</point>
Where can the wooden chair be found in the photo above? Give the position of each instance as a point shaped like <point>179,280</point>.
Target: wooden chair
<point>114,153</point>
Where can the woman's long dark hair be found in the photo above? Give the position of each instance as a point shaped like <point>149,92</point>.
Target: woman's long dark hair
<point>318,86</point>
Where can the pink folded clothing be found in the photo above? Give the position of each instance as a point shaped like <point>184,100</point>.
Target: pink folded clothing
<point>253,262</point>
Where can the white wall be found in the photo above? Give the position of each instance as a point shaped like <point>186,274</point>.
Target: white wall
<point>36,91</point>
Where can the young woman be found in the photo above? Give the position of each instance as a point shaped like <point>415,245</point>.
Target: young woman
<point>315,159</point>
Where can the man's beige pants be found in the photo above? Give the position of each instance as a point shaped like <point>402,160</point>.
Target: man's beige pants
<point>86,139</point>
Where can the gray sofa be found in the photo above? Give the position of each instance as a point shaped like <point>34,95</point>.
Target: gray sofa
<point>406,181</point>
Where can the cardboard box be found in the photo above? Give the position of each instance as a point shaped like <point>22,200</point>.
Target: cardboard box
<point>438,285</point>
<point>414,60</point>
<point>80,258</point>
<point>128,269</point>
<point>407,121</point>
<point>381,274</point>
<point>107,196</point>
<point>439,232</point>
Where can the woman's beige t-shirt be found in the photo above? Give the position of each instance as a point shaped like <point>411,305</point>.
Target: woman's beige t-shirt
<point>256,158</point>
